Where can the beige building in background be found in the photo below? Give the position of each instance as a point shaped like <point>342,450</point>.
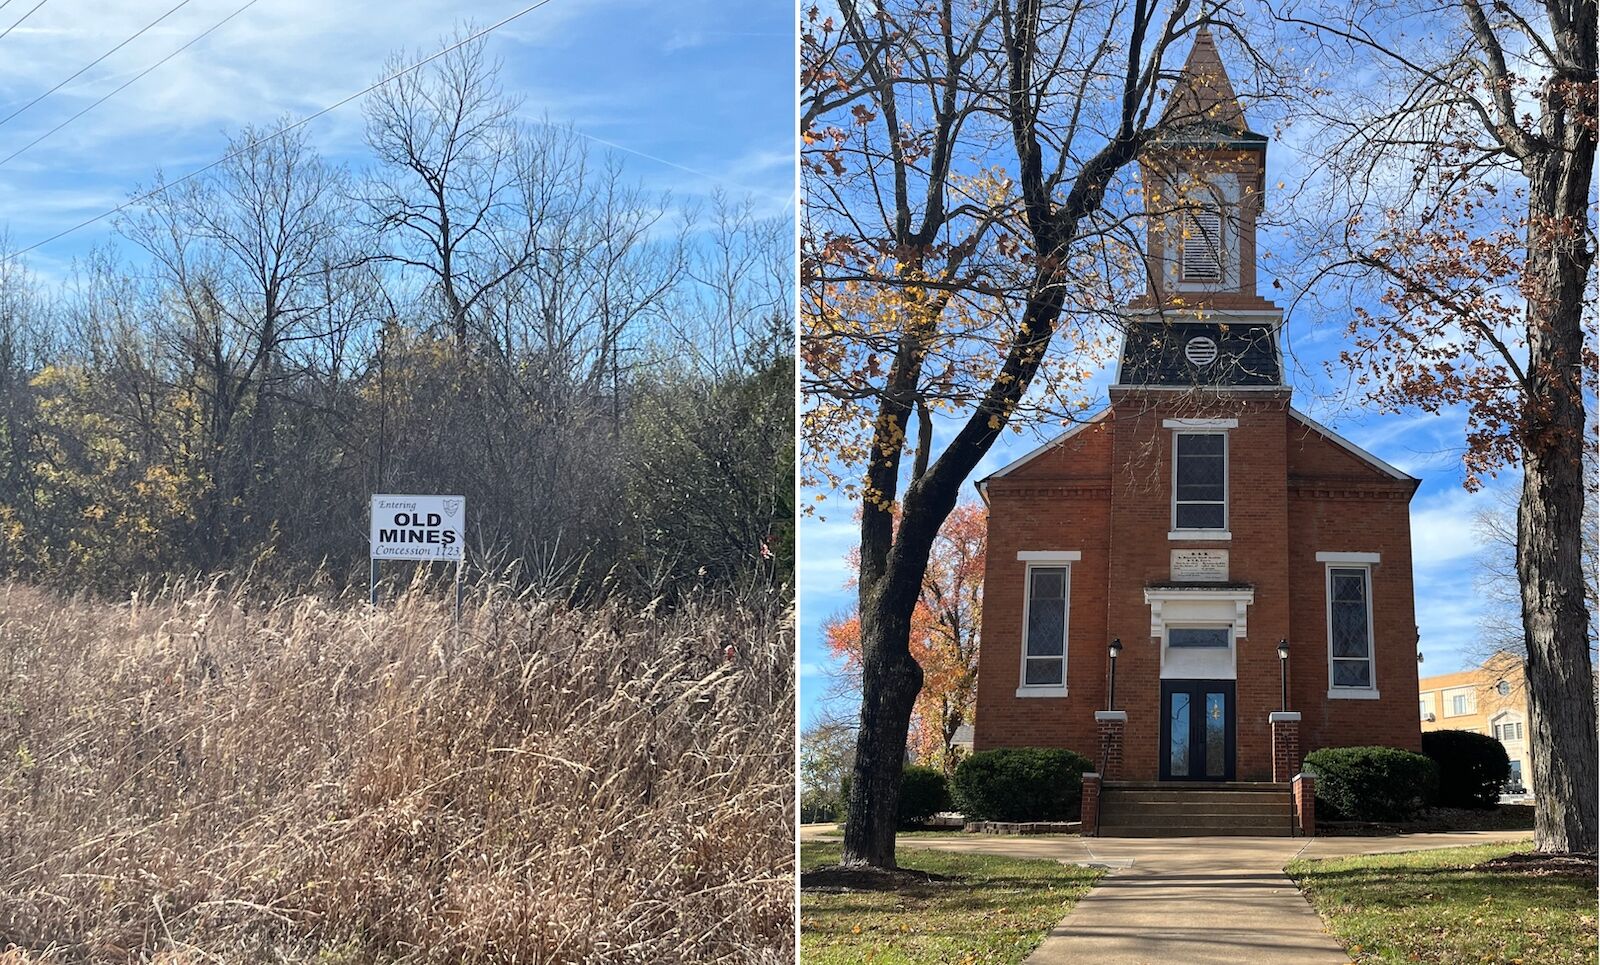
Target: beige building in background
<point>1490,699</point>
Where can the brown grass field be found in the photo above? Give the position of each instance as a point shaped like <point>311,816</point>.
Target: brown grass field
<point>196,777</point>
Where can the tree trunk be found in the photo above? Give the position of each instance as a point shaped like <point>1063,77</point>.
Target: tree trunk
<point>1555,617</point>
<point>893,565</point>
<point>1560,682</point>
<point>889,687</point>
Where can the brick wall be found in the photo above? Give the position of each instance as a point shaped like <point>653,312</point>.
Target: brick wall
<point>1060,501</point>
<point>1105,492</point>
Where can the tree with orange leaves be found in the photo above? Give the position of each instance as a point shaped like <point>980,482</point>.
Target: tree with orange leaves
<point>944,637</point>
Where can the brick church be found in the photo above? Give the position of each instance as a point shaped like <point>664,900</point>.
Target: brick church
<point>1200,521</point>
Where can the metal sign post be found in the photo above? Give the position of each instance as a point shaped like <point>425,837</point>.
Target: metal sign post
<point>421,528</point>
<point>460,563</point>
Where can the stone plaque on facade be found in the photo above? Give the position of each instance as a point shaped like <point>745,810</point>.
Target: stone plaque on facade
<point>1206,566</point>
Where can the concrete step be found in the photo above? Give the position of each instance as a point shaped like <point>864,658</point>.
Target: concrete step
<point>1180,831</point>
<point>1240,798</point>
<point>1148,809</point>
<point>1177,809</point>
<point>1259,786</point>
<point>1211,820</point>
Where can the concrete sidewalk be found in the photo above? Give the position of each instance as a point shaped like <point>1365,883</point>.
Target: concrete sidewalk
<point>1194,901</point>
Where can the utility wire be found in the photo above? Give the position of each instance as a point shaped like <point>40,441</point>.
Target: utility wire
<point>275,134</point>
<point>24,17</point>
<point>125,85</point>
<point>80,71</point>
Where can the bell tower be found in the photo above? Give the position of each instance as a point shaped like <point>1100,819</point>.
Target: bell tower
<point>1200,321</point>
<point>1204,183</point>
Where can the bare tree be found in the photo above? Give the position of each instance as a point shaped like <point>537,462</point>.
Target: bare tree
<point>1467,177</point>
<point>1497,584</point>
<point>445,196</point>
<point>937,285</point>
<point>241,256</point>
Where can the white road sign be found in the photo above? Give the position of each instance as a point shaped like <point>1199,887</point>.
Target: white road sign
<point>418,527</point>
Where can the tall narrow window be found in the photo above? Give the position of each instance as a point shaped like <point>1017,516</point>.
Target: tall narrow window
<point>1350,627</point>
<point>1200,483</point>
<point>1044,661</point>
<point>1202,245</point>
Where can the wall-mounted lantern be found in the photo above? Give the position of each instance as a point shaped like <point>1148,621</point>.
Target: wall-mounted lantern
<point>1111,697</point>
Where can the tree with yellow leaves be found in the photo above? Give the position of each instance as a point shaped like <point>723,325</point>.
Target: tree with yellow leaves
<point>968,234</point>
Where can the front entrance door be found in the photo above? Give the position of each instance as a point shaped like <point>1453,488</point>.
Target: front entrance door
<point>1197,725</point>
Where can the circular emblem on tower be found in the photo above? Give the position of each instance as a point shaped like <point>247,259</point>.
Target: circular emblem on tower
<point>1200,350</point>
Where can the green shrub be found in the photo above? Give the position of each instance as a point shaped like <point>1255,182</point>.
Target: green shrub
<point>1472,767</point>
<point>1021,784</point>
<point>1372,783</point>
<point>924,792</point>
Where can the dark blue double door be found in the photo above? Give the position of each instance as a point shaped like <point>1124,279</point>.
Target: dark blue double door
<point>1197,730</point>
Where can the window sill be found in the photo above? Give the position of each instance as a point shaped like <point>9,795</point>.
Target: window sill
<point>1200,534</point>
<point>1041,691</point>
<point>1351,693</point>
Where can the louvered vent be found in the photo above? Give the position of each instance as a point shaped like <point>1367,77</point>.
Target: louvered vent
<point>1202,246</point>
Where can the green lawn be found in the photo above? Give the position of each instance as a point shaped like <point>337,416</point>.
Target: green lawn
<point>990,911</point>
<point>1432,907</point>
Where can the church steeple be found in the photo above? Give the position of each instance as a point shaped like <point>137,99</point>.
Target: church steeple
<point>1204,179</point>
<point>1203,96</point>
<point>1200,321</point>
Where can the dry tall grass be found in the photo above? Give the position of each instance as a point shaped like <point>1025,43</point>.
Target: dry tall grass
<point>199,778</point>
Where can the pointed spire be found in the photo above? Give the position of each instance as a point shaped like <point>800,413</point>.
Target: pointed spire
<point>1203,94</point>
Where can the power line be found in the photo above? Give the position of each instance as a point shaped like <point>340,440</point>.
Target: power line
<point>24,17</point>
<point>277,133</point>
<point>125,85</point>
<point>80,71</point>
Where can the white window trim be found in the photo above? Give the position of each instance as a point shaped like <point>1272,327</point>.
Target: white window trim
<point>1350,693</point>
<point>1200,424</point>
<point>1349,559</point>
<point>1447,702</point>
<point>1502,719</point>
<point>1053,560</point>
<point>1223,533</point>
<point>1157,598</point>
<point>1232,647</point>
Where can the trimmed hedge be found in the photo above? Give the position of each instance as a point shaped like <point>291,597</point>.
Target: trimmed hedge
<point>1372,783</point>
<point>924,792</point>
<point>1472,767</point>
<point>1021,784</point>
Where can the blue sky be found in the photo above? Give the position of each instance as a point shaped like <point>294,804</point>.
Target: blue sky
<point>694,97</point>
<point>1444,543</point>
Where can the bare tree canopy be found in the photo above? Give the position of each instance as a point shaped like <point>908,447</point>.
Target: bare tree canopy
<point>484,308</point>
<point>969,236</point>
<point>1463,182</point>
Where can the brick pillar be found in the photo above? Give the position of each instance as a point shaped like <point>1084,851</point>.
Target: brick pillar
<point>1111,724</point>
<point>1285,745</point>
<point>1304,790</point>
<point>1091,805</point>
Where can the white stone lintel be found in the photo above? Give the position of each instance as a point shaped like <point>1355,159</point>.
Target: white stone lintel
<point>1199,423</point>
<point>1353,558</point>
